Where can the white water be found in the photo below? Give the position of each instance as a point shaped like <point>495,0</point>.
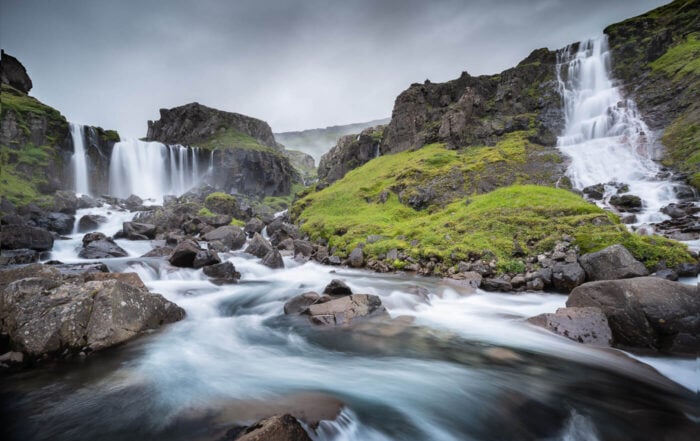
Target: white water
<point>605,136</point>
<point>152,169</point>
<point>79,159</point>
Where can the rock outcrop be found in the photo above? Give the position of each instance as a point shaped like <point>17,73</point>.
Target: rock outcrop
<point>13,73</point>
<point>646,313</point>
<point>611,263</point>
<point>584,325</point>
<point>346,310</point>
<point>275,428</point>
<point>252,172</point>
<point>350,152</point>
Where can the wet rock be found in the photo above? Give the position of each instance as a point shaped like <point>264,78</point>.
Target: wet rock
<point>567,276</point>
<point>254,225</point>
<point>300,304</point>
<point>139,231</point>
<point>675,211</point>
<point>258,246</point>
<point>90,222</point>
<point>331,260</point>
<point>303,247</point>
<point>584,325</point>
<point>9,275</point>
<point>356,259</point>
<point>220,220</point>
<point>611,263</point>
<point>282,232</point>
<point>346,310</point>
<point>91,237</point>
<point>627,202</point>
<point>19,236</point>
<point>159,252</point>
<point>102,248</point>
<point>628,219</point>
<point>80,269</point>
<point>595,192</point>
<point>221,273</point>
<point>61,223</point>
<point>184,254</point>
<point>87,201</point>
<point>43,317</point>
<point>132,279</point>
<point>205,258</point>
<point>667,274</point>
<point>133,203</point>
<point>286,245</point>
<point>496,285</point>
<point>535,284</point>
<point>688,269</point>
<point>273,260</point>
<point>230,236</point>
<point>18,257</point>
<point>276,428</point>
<point>646,312</point>
<point>337,287</point>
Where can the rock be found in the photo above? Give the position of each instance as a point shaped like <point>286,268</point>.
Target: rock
<point>300,304</point>
<point>87,201</point>
<point>184,254</point>
<point>688,269</point>
<point>611,263</point>
<point>350,152</point>
<point>676,211</point>
<point>90,222</point>
<point>627,202</point>
<point>133,203</point>
<point>12,72</point>
<point>17,237</point>
<point>283,232</point>
<point>496,285</point>
<point>337,287</point>
<point>276,428</point>
<point>221,273</point>
<point>205,258</point>
<point>667,274</point>
<point>220,220</point>
<point>92,237</point>
<point>159,252</point>
<point>646,312</point>
<point>80,269</point>
<point>18,257</point>
<point>356,259</point>
<point>132,279</point>
<point>346,310</point>
<point>254,225</point>
<point>544,274</point>
<point>230,236</point>
<point>258,246</point>
<point>303,247</point>
<point>43,317</point>
<point>595,192</point>
<point>567,276</point>
<point>331,260</point>
<point>535,284</point>
<point>583,324</point>
<point>9,275</point>
<point>273,260</point>
<point>61,223</point>
<point>138,231</point>
<point>101,249</point>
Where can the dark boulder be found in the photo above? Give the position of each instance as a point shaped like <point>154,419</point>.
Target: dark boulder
<point>139,231</point>
<point>13,237</point>
<point>627,202</point>
<point>102,249</point>
<point>221,273</point>
<point>595,192</point>
<point>220,220</point>
<point>356,259</point>
<point>567,276</point>
<point>688,269</point>
<point>303,247</point>
<point>611,263</point>
<point>90,222</point>
<point>59,222</point>
<point>667,274</point>
<point>273,260</point>
<point>184,254</point>
<point>646,312</point>
<point>337,287</point>
<point>230,236</point>
<point>584,325</point>
<point>159,252</point>
<point>205,258</point>
<point>283,232</point>
<point>13,73</point>
<point>276,428</point>
<point>9,275</point>
<point>498,285</point>
<point>254,225</point>
<point>258,246</point>
<point>133,203</point>
<point>18,257</point>
<point>92,237</point>
<point>346,310</point>
<point>300,304</point>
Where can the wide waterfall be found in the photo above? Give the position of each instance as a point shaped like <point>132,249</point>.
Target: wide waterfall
<point>79,159</point>
<point>152,169</point>
<point>605,137</point>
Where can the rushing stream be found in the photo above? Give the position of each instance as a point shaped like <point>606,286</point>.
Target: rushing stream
<point>449,366</point>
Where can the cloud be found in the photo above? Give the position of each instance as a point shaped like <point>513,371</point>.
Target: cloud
<point>294,63</point>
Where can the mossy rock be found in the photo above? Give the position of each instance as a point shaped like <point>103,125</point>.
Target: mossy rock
<point>221,203</point>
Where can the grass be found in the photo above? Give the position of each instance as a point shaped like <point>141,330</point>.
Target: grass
<point>280,203</point>
<point>232,138</point>
<point>680,60</point>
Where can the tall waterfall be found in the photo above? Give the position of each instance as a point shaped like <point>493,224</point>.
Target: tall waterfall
<point>79,159</point>
<point>152,169</point>
<point>605,136</point>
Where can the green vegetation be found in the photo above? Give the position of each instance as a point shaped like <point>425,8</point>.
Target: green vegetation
<point>221,203</point>
<point>111,135</point>
<point>21,104</point>
<point>365,202</point>
<point>228,138</point>
<point>682,141</point>
<point>237,223</point>
<point>680,60</point>
<point>279,203</point>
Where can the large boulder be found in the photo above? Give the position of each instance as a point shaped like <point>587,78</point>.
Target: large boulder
<point>567,276</point>
<point>90,222</point>
<point>9,275</point>
<point>346,310</point>
<point>13,237</point>
<point>612,263</point>
<point>254,225</point>
<point>337,287</point>
<point>138,230</point>
<point>222,273</point>
<point>273,260</point>
<point>18,257</point>
<point>230,236</point>
<point>103,248</point>
<point>41,316</point>
<point>258,246</point>
<point>300,304</point>
<point>12,72</point>
<point>584,325</point>
<point>646,312</point>
<point>184,254</point>
<point>61,223</point>
<point>356,259</point>
<point>276,428</point>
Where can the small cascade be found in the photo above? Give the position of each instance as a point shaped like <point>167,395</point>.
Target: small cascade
<point>605,137</point>
<point>152,169</point>
<point>79,159</point>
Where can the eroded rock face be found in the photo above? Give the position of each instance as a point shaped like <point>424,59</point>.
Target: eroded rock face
<point>42,316</point>
<point>12,72</point>
<point>584,325</point>
<point>646,312</point>
<point>350,152</point>
<point>611,263</point>
<point>13,237</point>
<point>346,310</point>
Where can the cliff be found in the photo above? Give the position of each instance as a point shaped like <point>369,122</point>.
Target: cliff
<point>350,152</point>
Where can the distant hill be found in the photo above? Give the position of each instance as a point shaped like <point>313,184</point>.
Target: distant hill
<point>316,142</point>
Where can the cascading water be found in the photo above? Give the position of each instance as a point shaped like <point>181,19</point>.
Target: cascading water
<point>605,137</point>
<point>152,169</point>
<point>79,159</point>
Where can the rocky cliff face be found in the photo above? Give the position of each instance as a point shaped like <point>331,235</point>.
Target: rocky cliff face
<point>350,152</point>
<point>13,73</point>
<point>99,144</point>
<point>479,110</point>
<point>194,123</point>
<point>656,56</point>
<point>246,158</point>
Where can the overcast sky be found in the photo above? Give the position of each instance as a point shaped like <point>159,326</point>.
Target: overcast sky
<point>295,63</point>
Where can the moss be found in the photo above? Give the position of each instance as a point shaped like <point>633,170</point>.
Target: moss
<point>111,136</point>
<point>228,138</point>
<point>20,103</point>
<point>280,203</point>
<point>237,223</point>
<point>221,203</point>
<point>205,212</point>
<point>680,60</point>
<point>682,141</point>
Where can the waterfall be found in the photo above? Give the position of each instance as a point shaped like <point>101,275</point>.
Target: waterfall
<point>605,137</point>
<point>79,159</point>
<point>152,169</point>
